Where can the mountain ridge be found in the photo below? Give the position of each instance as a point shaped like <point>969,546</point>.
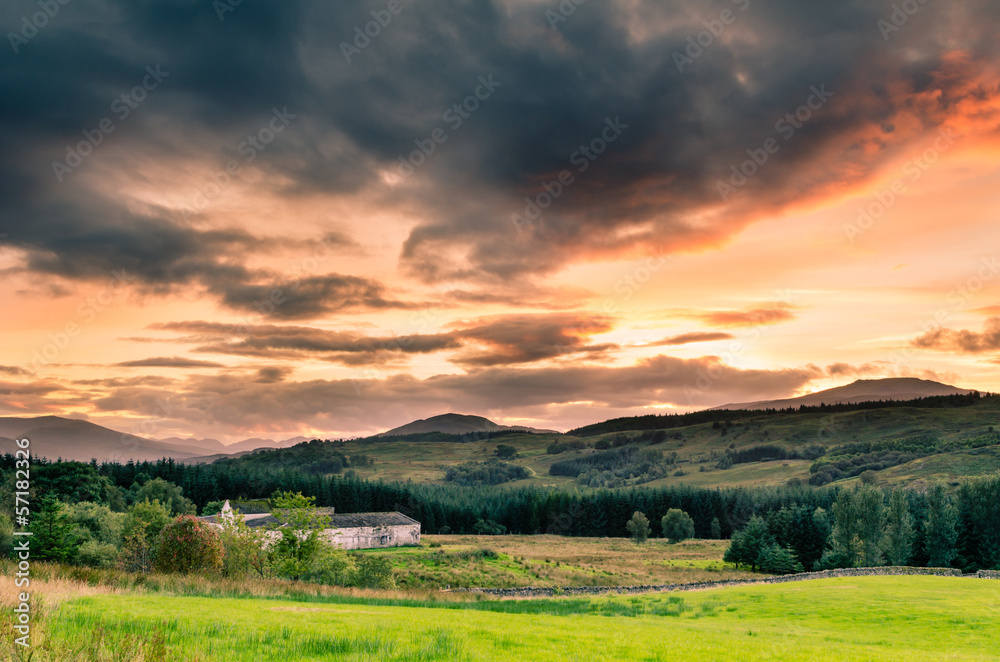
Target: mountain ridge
<point>861,390</point>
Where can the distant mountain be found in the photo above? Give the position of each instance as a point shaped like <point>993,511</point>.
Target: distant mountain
<point>456,424</point>
<point>210,446</point>
<point>863,390</point>
<point>206,445</point>
<point>73,439</point>
<point>254,444</point>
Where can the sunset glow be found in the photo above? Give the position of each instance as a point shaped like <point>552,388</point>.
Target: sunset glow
<point>276,241</point>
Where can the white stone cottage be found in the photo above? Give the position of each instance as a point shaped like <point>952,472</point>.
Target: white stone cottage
<point>348,531</point>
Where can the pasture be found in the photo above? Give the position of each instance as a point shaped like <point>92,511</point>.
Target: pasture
<point>859,618</point>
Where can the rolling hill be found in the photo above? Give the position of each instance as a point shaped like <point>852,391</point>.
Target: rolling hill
<point>456,424</point>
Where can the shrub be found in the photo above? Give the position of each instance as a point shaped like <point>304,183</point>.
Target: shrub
<point>373,572</point>
<point>189,545</point>
<point>505,452</point>
<point>140,533</point>
<point>489,528</point>
<point>96,554</point>
<point>332,567</point>
<point>244,549</point>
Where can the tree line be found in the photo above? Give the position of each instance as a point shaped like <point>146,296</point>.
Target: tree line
<point>789,510</point>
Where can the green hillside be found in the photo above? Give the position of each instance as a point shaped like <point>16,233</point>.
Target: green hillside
<point>948,437</point>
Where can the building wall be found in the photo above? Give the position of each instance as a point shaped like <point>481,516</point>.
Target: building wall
<point>369,537</point>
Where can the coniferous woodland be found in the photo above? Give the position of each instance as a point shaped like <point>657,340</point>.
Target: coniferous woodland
<point>777,529</point>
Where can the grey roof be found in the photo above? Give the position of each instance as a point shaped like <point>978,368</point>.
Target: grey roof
<point>352,520</point>
<point>337,521</point>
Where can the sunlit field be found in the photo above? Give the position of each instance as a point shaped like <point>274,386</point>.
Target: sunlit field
<point>870,618</point>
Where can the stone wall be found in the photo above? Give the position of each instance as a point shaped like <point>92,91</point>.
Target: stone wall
<point>988,574</point>
<point>371,537</point>
<point>539,591</point>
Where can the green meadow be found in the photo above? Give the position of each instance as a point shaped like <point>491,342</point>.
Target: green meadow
<point>870,618</point>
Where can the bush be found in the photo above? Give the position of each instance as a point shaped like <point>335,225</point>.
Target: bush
<point>96,554</point>
<point>489,528</point>
<point>505,452</point>
<point>373,571</point>
<point>244,549</point>
<point>140,533</point>
<point>332,567</point>
<point>189,545</point>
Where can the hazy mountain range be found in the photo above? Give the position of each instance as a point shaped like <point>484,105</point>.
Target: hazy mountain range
<point>73,439</point>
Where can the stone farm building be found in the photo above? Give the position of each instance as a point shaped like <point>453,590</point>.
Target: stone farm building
<point>348,530</point>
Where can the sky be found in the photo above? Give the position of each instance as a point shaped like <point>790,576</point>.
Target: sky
<point>267,219</point>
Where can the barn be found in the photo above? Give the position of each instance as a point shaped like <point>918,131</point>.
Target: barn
<point>347,530</point>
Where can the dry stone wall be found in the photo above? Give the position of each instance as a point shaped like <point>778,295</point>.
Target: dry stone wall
<point>542,591</point>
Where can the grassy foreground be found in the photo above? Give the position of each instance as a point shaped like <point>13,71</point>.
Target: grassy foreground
<point>872,618</point>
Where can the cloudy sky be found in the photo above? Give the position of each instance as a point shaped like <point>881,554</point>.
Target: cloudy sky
<point>275,218</point>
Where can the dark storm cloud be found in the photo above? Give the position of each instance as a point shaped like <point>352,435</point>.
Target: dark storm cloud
<point>555,91</point>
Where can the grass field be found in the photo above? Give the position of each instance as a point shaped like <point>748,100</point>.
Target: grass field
<point>503,561</point>
<point>871,618</point>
